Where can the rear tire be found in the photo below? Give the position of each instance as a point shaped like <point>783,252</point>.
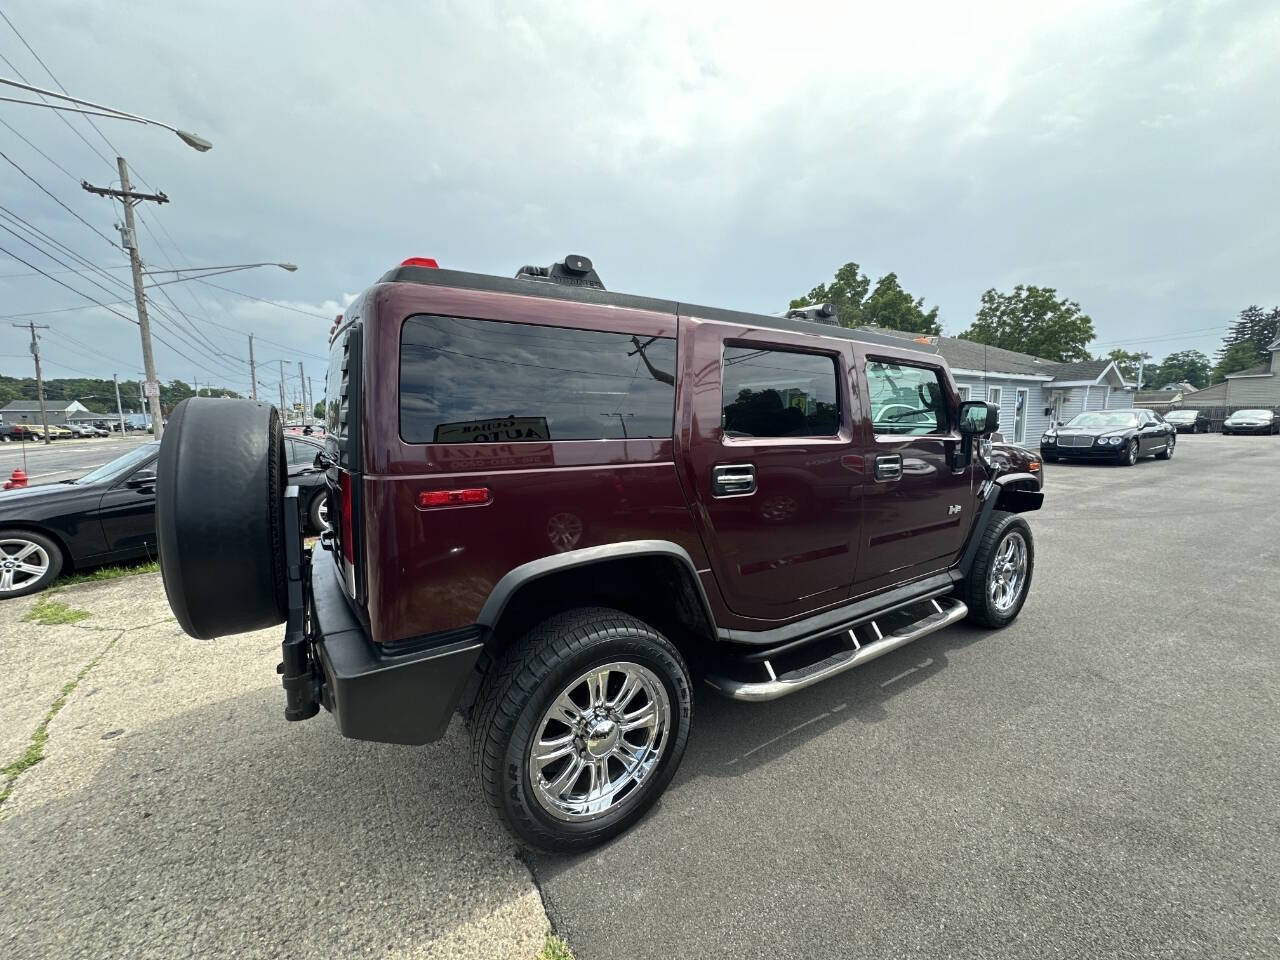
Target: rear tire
<point>316,513</point>
<point>542,799</point>
<point>220,516</point>
<point>1000,578</point>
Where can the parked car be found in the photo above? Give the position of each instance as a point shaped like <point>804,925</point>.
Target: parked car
<point>10,432</point>
<point>55,432</point>
<point>1013,458</point>
<point>1116,436</point>
<point>1251,421</point>
<point>544,520</point>
<point>86,430</point>
<point>1188,421</point>
<point>108,516</point>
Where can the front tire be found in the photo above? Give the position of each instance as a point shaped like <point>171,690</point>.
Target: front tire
<point>1130,455</point>
<point>1000,577</point>
<point>29,562</point>
<point>578,728</point>
<point>1167,452</point>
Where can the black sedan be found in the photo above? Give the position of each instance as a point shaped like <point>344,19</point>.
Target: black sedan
<point>1251,421</point>
<point>108,516</point>
<point>1116,436</point>
<point>1188,421</point>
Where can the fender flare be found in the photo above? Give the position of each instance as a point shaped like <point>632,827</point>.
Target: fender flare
<point>521,576</point>
<point>1016,500</point>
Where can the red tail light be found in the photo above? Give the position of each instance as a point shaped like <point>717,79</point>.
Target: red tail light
<point>344,509</point>
<point>421,262</point>
<point>454,498</point>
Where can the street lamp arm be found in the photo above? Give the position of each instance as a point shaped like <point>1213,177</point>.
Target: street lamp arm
<point>224,268</point>
<point>214,271</point>
<point>191,139</point>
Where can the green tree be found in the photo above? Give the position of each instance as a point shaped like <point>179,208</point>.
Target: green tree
<point>1127,363</point>
<point>1255,328</point>
<point>1239,356</point>
<point>847,291</point>
<point>891,306</point>
<point>318,412</point>
<point>1189,366</point>
<point>1033,320</point>
<point>856,303</point>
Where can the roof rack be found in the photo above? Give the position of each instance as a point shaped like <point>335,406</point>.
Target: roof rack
<point>574,270</point>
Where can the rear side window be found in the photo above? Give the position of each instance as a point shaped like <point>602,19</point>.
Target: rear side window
<point>485,381</point>
<point>905,399</point>
<point>779,393</point>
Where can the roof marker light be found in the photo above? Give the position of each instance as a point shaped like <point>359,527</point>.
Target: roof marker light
<point>427,262</point>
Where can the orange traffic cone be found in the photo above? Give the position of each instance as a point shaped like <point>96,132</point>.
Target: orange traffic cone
<point>16,479</point>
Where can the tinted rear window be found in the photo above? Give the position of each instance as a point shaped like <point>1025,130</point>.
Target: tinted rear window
<point>483,381</point>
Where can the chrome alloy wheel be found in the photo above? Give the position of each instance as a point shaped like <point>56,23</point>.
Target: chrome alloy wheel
<point>1133,452</point>
<point>1008,572</point>
<point>322,512</point>
<point>600,739</point>
<point>21,563</point>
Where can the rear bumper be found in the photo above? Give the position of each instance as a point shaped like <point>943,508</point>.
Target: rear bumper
<point>406,697</point>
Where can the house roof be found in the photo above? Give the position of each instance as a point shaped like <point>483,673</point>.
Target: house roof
<point>1262,371</point>
<point>971,356</point>
<point>33,406</point>
<point>1146,398</point>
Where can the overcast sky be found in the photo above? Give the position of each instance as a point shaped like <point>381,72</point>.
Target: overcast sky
<point>1126,154</point>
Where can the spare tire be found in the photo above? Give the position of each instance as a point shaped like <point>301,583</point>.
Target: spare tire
<point>220,516</point>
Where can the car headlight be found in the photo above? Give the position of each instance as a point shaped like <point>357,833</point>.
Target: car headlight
<point>1048,438</point>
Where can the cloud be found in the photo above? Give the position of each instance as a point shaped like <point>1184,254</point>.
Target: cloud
<point>725,154</point>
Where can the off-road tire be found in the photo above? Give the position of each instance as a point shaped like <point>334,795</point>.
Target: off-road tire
<point>975,591</point>
<point>520,686</point>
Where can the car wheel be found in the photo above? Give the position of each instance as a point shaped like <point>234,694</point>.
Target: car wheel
<point>580,726</point>
<point>1000,577</point>
<point>318,512</point>
<point>29,562</point>
<point>1167,452</point>
<point>1130,454</point>
<point>7,439</point>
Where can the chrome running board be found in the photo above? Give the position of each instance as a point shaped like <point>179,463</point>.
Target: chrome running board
<point>945,611</point>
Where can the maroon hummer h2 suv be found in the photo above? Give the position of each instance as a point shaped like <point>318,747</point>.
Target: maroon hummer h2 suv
<point>553,506</point>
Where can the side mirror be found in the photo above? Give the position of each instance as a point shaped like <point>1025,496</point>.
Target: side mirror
<point>978,418</point>
<point>141,480</point>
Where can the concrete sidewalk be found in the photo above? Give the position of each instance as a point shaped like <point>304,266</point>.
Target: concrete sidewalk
<point>176,813</point>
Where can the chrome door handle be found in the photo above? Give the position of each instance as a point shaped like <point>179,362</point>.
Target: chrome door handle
<point>889,466</point>
<point>733,480</point>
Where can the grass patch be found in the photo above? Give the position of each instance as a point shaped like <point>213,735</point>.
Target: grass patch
<point>110,573</point>
<point>554,949</point>
<point>35,748</point>
<point>50,612</point>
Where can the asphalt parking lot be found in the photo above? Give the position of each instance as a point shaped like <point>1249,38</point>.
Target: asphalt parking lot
<point>1100,779</point>
<point>64,459</point>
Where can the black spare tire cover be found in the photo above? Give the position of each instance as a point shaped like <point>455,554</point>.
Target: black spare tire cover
<point>219,516</point>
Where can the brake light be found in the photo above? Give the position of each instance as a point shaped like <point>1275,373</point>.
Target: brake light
<point>471,496</point>
<point>421,262</point>
<point>344,509</point>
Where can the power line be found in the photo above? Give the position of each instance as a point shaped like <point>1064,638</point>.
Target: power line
<point>55,260</point>
<point>56,200</point>
<point>39,151</point>
<point>62,247</point>
<point>78,293</point>
<point>249,296</point>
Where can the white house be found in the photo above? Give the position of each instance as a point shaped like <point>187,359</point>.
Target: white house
<point>58,411</point>
<point>1255,387</point>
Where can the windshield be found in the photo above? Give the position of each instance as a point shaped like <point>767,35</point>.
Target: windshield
<point>1256,414</point>
<point>1105,418</point>
<point>121,464</point>
<point>1180,415</point>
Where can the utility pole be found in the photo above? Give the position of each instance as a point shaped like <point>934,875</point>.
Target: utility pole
<point>283,418</point>
<point>253,372</point>
<point>302,388</point>
<point>119,406</point>
<point>35,352</point>
<point>311,398</point>
<point>129,238</point>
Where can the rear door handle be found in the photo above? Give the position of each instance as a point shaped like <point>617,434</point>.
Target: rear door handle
<point>889,466</point>
<point>733,480</point>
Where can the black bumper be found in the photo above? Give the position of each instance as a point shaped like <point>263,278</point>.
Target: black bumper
<point>402,698</point>
<point>1081,453</point>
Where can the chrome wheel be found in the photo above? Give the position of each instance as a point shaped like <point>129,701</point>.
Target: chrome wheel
<point>1133,452</point>
<point>21,563</point>
<point>322,512</point>
<point>1168,451</point>
<point>1008,572</point>
<point>599,740</point>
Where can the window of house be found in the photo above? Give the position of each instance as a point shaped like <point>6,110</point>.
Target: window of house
<point>963,390</point>
<point>905,399</point>
<point>779,393</point>
<point>485,381</point>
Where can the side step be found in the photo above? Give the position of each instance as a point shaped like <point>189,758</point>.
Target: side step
<point>872,643</point>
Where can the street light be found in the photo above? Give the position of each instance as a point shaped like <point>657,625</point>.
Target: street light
<point>203,272</point>
<point>195,141</point>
